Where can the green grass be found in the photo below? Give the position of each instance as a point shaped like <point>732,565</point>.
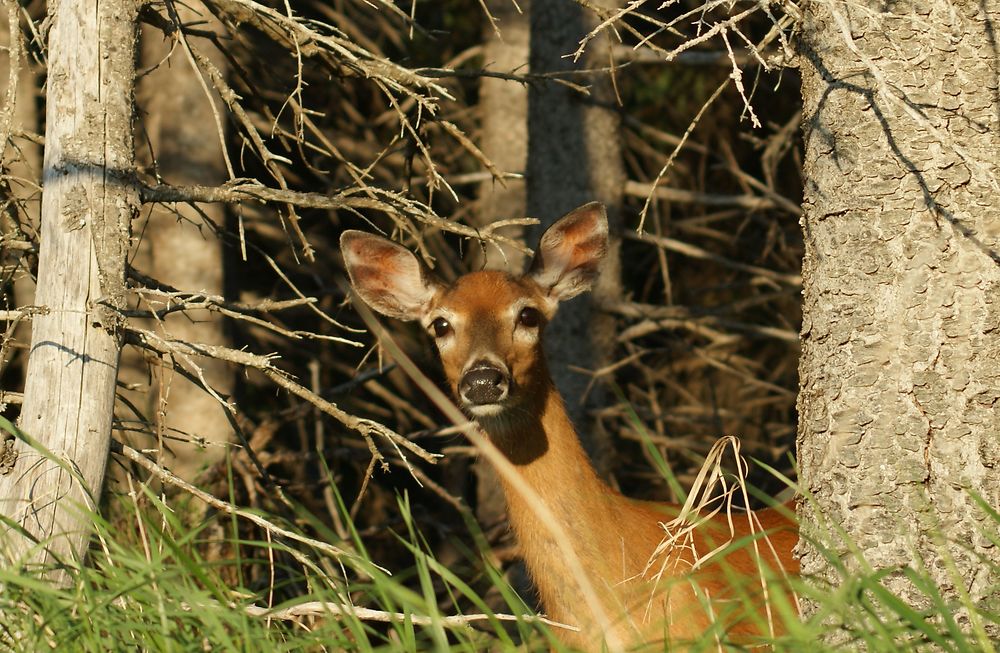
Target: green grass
<point>148,586</point>
<point>165,577</point>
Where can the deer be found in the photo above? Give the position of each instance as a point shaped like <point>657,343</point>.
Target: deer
<point>652,589</point>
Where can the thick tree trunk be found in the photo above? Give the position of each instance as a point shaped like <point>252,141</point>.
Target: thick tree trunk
<point>88,203</point>
<point>574,157</point>
<point>900,368</point>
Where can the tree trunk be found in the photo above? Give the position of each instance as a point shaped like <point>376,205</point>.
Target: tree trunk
<point>88,203</point>
<point>900,367</point>
<point>574,157</point>
<point>504,107</point>
<point>179,249</point>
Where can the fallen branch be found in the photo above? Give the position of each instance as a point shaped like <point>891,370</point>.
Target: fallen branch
<point>680,196</point>
<point>327,608</point>
<point>694,251</point>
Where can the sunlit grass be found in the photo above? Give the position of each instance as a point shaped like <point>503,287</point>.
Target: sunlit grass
<point>148,586</point>
<point>162,576</point>
<point>158,592</point>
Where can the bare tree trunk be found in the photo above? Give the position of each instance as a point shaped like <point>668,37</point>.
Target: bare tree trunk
<point>87,207</point>
<point>574,157</point>
<point>179,249</point>
<point>504,107</point>
<point>900,367</point>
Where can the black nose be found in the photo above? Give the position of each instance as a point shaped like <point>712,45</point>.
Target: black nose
<point>485,383</point>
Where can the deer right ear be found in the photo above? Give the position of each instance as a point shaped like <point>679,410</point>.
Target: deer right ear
<point>387,276</point>
<point>570,252</point>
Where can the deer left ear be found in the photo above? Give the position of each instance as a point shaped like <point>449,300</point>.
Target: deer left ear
<point>387,276</point>
<point>570,252</point>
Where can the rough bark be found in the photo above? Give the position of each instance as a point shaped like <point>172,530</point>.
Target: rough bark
<point>574,157</point>
<point>88,203</point>
<point>900,367</point>
<point>179,249</point>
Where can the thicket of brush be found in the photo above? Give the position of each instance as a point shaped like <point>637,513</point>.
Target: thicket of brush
<point>378,120</point>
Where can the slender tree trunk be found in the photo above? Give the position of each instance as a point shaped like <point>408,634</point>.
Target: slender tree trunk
<point>179,249</point>
<point>574,157</point>
<point>504,107</point>
<point>88,203</point>
<point>900,367</point>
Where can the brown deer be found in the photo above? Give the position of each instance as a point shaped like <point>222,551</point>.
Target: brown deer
<point>650,588</point>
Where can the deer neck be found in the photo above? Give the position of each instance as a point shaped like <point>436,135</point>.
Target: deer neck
<point>544,447</point>
<point>547,453</point>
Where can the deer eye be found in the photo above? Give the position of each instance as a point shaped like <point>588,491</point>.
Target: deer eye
<point>441,327</point>
<point>529,317</point>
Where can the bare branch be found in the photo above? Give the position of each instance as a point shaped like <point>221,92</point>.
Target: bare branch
<point>264,364</point>
<point>168,477</point>
<point>371,198</point>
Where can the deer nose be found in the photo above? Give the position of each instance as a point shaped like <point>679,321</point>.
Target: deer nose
<point>484,383</point>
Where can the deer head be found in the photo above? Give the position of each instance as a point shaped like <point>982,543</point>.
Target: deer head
<point>487,325</point>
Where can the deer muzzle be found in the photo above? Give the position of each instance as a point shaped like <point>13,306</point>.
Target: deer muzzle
<point>483,384</point>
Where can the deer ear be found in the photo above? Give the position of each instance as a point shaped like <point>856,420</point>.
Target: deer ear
<point>387,276</point>
<point>570,252</point>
